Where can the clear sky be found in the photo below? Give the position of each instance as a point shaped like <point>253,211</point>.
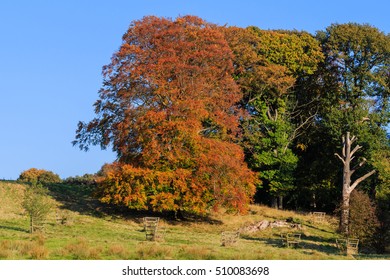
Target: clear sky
<point>52,52</point>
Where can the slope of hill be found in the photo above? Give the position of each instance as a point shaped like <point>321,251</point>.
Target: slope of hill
<point>89,230</point>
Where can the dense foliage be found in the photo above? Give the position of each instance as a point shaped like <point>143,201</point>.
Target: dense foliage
<point>168,108</point>
<point>363,220</point>
<point>204,116</point>
<point>269,68</point>
<point>84,180</point>
<point>39,176</point>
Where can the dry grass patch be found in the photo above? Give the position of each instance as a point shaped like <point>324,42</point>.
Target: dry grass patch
<point>17,249</point>
<point>193,252</point>
<point>118,251</point>
<point>38,252</point>
<point>11,197</point>
<point>39,238</point>
<point>5,249</point>
<point>154,251</point>
<point>80,250</point>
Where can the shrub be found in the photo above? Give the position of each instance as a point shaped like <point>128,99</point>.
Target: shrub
<point>38,252</point>
<point>39,176</point>
<point>363,219</point>
<point>85,180</point>
<point>38,205</point>
<point>118,251</point>
<point>382,237</point>
<point>80,250</point>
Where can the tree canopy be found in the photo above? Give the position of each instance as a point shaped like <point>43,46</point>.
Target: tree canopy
<point>203,116</point>
<point>168,105</point>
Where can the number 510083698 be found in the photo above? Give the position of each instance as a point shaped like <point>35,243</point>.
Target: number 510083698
<point>241,270</point>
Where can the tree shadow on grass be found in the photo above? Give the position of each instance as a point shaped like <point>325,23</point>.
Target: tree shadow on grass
<point>76,198</point>
<point>316,227</point>
<point>323,245</point>
<point>80,199</point>
<point>373,256</point>
<point>327,248</point>
<point>13,228</point>
<point>275,242</point>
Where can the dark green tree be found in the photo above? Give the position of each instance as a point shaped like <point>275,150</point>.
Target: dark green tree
<point>354,97</point>
<point>381,162</point>
<point>268,65</point>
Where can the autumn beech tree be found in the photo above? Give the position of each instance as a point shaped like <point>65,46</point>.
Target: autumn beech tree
<point>168,109</point>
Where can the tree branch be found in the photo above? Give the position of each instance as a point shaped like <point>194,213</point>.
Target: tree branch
<point>353,186</point>
<point>360,164</point>
<point>355,149</point>
<point>344,147</point>
<point>295,132</point>
<point>337,155</point>
<point>269,115</point>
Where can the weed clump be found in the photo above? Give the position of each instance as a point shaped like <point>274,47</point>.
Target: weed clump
<point>117,250</point>
<point>80,250</point>
<point>153,251</point>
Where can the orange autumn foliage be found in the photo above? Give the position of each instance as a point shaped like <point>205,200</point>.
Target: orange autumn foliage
<point>168,108</point>
<point>142,189</point>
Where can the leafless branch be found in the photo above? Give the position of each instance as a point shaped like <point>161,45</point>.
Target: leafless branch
<point>353,186</point>
<point>360,164</point>
<point>296,132</point>
<point>355,149</point>
<point>337,155</point>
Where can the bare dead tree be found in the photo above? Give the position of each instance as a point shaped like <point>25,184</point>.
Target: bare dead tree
<point>348,186</point>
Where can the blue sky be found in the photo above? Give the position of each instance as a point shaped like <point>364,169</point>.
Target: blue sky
<point>52,52</point>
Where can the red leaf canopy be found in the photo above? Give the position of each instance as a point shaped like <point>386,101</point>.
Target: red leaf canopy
<point>168,108</point>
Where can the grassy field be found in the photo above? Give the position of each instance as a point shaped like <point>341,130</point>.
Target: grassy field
<point>94,231</point>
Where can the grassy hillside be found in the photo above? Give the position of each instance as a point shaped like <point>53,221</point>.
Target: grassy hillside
<point>93,231</point>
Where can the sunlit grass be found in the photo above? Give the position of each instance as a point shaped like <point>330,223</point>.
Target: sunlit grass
<point>93,235</point>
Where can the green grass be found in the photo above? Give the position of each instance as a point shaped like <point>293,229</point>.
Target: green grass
<point>99,232</point>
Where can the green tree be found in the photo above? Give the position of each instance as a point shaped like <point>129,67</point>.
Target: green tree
<point>353,89</point>
<point>37,204</point>
<point>267,72</point>
<point>381,162</point>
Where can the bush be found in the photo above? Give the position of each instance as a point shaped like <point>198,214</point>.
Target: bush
<point>383,235</point>
<point>85,180</point>
<point>39,176</point>
<point>38,205</point>
<point>363,220</point>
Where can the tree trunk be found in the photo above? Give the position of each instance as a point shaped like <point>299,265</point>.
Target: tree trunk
<point>346,158</point>
<point>280,202</point>
<point>274,202</point>
<point>31,224</point>
<point>313,201</point>
<point>344,216</point>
